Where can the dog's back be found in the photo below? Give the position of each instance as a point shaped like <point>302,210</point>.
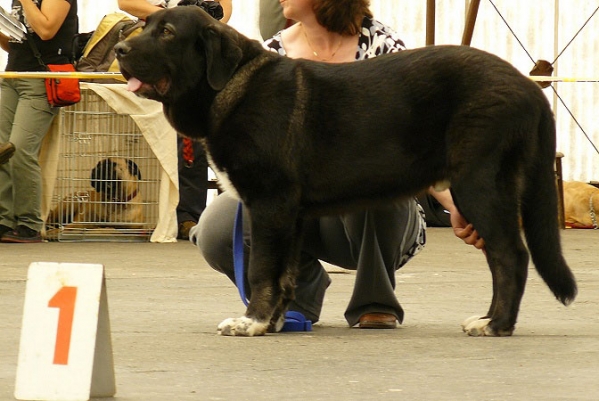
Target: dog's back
<point>433,92</point>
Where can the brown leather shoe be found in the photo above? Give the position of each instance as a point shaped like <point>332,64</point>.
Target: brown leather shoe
<point>378,320</point>
<point>184,228</point>
<point>6,151</point>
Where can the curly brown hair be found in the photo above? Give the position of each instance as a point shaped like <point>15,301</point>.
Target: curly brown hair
<point>342,16</point>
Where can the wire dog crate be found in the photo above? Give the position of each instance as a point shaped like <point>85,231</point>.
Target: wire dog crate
<point>108,179</point>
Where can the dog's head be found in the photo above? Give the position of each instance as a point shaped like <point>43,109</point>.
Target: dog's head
<point>179,49</point>
<point>116,179</point>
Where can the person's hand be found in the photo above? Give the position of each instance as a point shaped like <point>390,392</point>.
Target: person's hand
<point>465,231</point>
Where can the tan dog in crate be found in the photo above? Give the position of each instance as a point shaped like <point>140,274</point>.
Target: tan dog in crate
<point>581,204</point>
<point>115,200</point>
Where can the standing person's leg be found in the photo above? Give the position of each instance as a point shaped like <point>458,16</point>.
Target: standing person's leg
<point>32,118</point>
<point>271,19</point>
<point>375,242</point>
<point>193,180</point>
<point>214,237</point>
<point>9,98</point>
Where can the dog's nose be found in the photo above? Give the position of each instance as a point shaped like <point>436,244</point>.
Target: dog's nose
<point>121,48</point>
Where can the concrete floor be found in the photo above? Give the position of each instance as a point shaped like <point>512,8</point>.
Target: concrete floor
<point>165,304</point>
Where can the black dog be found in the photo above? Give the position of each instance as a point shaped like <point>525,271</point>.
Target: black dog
<point>295,137</point>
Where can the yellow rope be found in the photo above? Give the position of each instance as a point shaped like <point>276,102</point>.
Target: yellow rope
<point>117,75</point>
<point>78,75</point>
<point>563,79</point>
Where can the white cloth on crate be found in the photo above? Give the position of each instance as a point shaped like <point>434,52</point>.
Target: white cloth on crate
<point>161,138</point>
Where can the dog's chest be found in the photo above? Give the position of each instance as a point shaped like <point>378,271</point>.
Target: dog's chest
<point>222,177</point>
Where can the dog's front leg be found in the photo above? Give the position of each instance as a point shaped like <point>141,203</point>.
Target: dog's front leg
<point>288,279</point>
<point>274,245</point>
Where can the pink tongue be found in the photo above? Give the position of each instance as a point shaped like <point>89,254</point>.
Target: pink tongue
<point>133,84</point>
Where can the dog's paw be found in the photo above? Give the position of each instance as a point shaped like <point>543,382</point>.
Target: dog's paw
<point>478,326</point>
<point>242,326</point>
<point>470,320</point>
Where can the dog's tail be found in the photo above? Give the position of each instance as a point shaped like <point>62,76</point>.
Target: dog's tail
<point>540,217</point>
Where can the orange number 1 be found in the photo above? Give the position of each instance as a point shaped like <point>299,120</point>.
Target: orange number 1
<point>64,299</point>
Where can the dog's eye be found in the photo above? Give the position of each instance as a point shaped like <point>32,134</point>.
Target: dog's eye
<point>168,30</point>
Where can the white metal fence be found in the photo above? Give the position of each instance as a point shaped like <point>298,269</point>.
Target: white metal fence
<point>543,27</point>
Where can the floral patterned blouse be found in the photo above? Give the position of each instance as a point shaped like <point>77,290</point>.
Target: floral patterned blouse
<point>375,39</point>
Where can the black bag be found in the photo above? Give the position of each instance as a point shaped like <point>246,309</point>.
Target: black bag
<point>211,7</point>
<point>78,46</point>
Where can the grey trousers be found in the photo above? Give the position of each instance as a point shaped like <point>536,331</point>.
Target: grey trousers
<point>25,116</point>
<point>375,242</point>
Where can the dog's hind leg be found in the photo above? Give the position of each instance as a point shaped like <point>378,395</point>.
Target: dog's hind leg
<point>494,214</point>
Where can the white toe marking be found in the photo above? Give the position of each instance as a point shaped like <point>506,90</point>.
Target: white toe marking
<point>280,323</point>
<point>479,328</point>
<point>242,326</point>
<point>467,322</point>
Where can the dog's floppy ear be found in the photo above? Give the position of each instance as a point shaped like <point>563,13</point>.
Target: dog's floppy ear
<point>222,56</point>
<point>133,169</point>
